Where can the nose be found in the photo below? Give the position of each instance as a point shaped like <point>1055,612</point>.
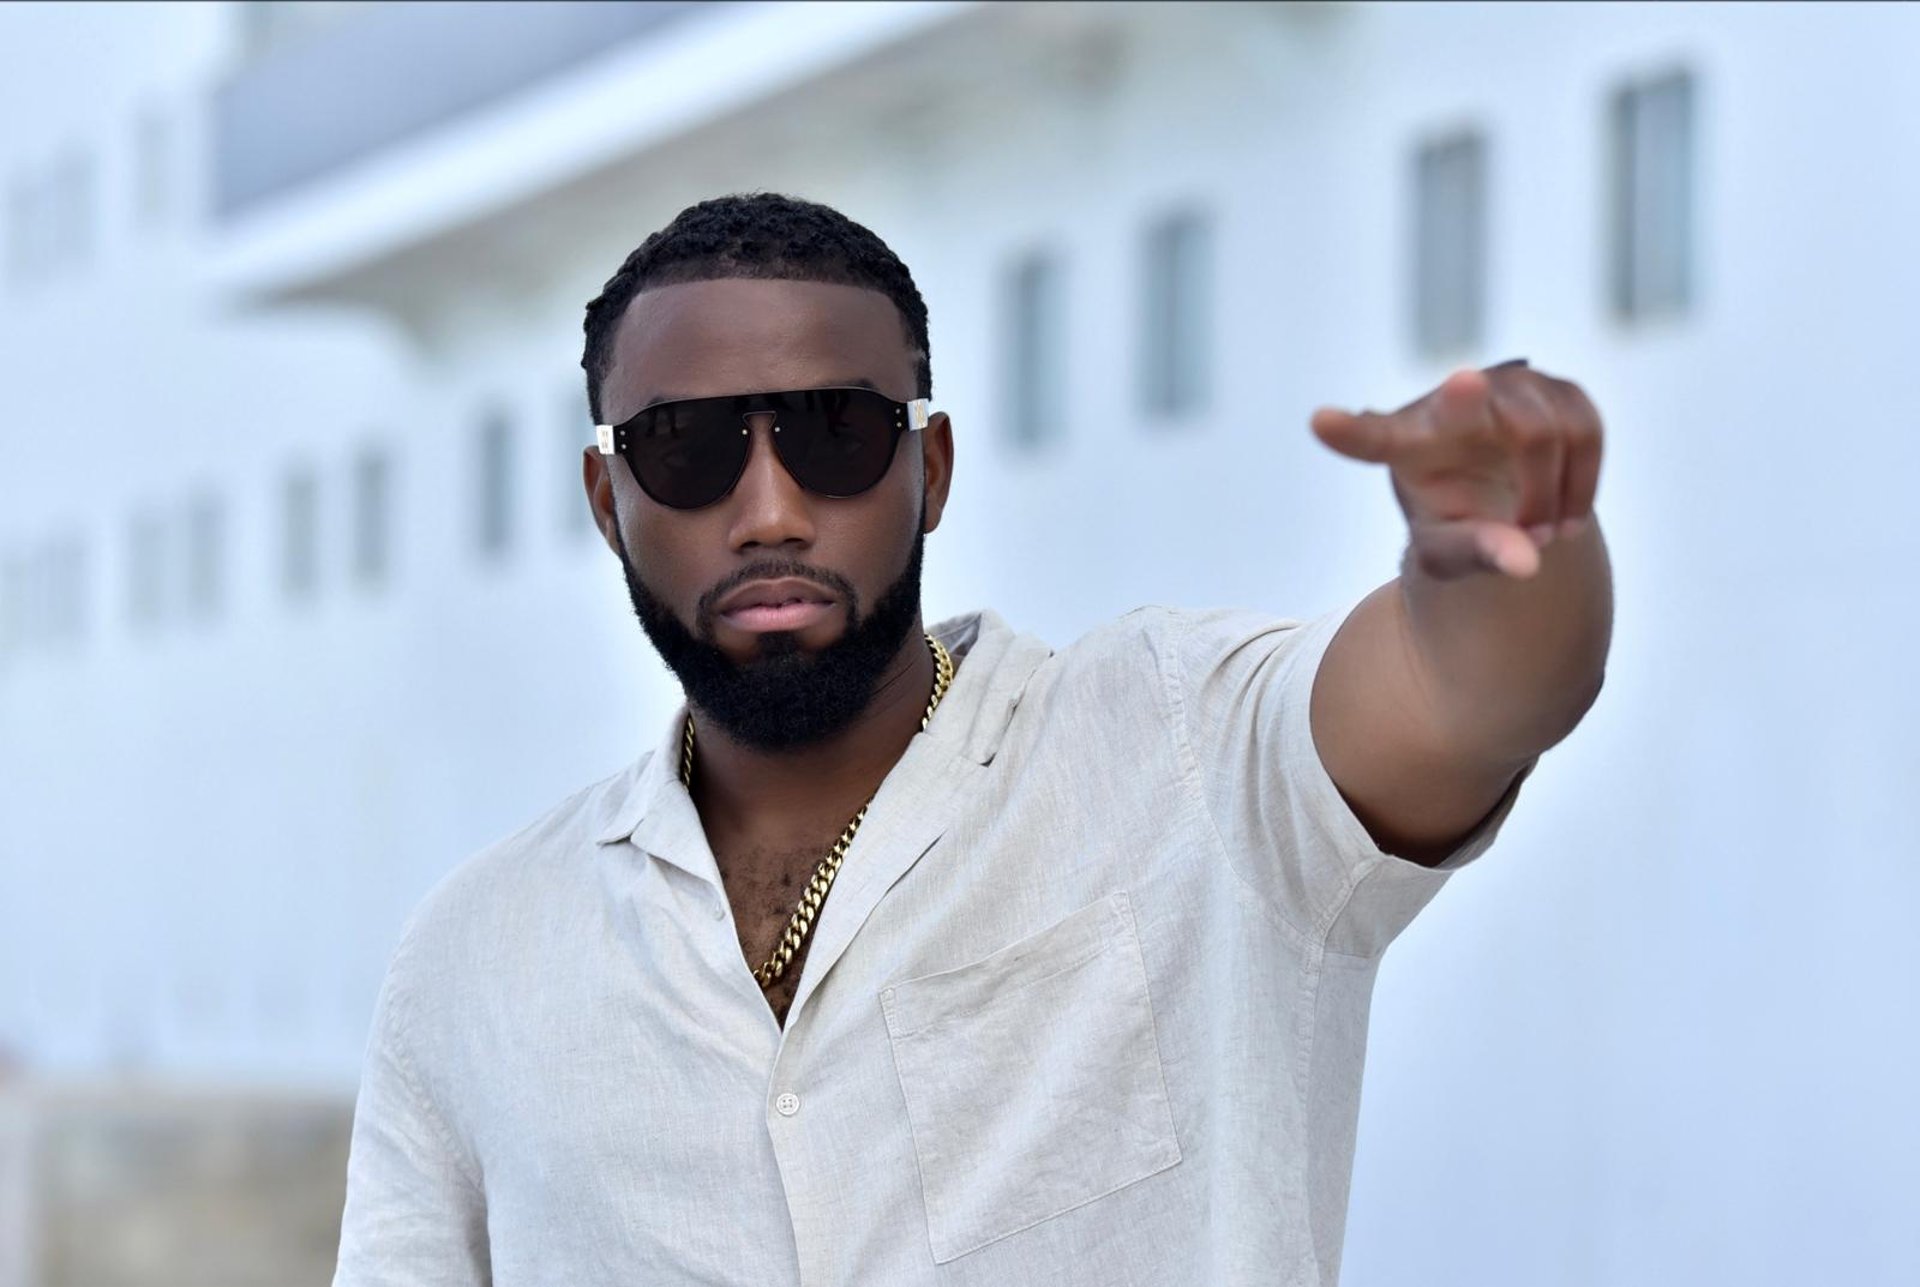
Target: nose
<point>769,508</point>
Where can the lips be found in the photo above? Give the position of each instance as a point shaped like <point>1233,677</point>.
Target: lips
<point>791,603</point>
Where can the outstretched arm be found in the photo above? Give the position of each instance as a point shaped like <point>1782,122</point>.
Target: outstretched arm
<point>1491,644</point>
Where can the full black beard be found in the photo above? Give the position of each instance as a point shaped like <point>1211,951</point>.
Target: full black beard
<point>784,698</point>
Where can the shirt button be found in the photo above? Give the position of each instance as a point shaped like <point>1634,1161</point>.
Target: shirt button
<point>788,1104</point>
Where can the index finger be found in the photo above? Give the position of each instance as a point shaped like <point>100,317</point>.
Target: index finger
<point>1368,435</point>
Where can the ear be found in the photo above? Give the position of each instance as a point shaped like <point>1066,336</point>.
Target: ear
<point>596,471</point>
<point>936,455</point>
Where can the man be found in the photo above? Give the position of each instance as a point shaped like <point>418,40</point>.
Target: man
<point>933,956</point>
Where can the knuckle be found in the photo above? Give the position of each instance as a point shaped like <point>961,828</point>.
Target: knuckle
<point>1583,417</point>
<point>1529,423</point>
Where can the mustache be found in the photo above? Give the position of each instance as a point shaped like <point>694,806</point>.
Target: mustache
<point>773,570</point>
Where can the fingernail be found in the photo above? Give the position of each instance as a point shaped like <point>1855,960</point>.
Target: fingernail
<point>1572,527</point>
<point>1542,534</point>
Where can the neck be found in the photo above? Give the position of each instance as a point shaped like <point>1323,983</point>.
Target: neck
<point>759,798</point>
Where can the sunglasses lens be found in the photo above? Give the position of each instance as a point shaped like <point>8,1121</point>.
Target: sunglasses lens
<point>838,442</point>
<point>834,442</point>
<point>687,455</point>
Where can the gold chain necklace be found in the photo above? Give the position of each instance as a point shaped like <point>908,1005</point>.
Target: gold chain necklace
<point>808,911</point>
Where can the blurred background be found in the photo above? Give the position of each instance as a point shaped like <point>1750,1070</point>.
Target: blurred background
<point>300,603</point>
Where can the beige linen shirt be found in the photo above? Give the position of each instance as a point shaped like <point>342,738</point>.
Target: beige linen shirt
<point>1086,1005</point>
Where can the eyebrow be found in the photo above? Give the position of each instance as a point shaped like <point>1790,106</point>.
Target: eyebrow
<point>856,382</point>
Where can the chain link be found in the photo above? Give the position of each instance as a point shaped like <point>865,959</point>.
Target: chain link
<point>801,923</point>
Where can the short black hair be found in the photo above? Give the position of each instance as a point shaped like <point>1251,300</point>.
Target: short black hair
<point>762,235</point>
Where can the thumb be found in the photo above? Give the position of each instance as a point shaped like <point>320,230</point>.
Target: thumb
<point>1447,549</point>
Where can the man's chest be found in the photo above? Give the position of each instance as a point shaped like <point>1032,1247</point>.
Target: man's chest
<point>777,897</point>
<point>967,1043</point>
<point>973,887</point>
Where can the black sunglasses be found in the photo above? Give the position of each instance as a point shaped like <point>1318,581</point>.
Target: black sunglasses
<point>835,442</point>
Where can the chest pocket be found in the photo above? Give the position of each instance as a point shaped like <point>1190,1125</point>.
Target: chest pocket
<point>1032,1078</point>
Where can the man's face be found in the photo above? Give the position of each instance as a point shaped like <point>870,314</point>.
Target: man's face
<point>705,339</point>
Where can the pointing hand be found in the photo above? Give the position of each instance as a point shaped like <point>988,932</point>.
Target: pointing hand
<point>1489,468</point>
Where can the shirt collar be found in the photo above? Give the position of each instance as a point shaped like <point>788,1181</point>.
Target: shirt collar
<point>650,785</point>
<point>649,805</point>
<point>995,666</point>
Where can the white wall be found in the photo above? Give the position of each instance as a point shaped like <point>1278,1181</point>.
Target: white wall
<point>1659,1036</point>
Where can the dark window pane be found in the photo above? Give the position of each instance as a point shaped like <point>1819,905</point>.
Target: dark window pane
<point>1449,245</point>
<point>206,539</point>
<point>1651,160</point>
<point>146,570</point>
<point>575,434</point>
<point>1176,315</point>
<point>1034,375</point>
<point>300,543</point>
<point>372,524</point>
<point>493,461</point>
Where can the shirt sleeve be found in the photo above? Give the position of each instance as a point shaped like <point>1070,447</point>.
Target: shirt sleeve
<point>1244,683</point>
<point>415,1212</point>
